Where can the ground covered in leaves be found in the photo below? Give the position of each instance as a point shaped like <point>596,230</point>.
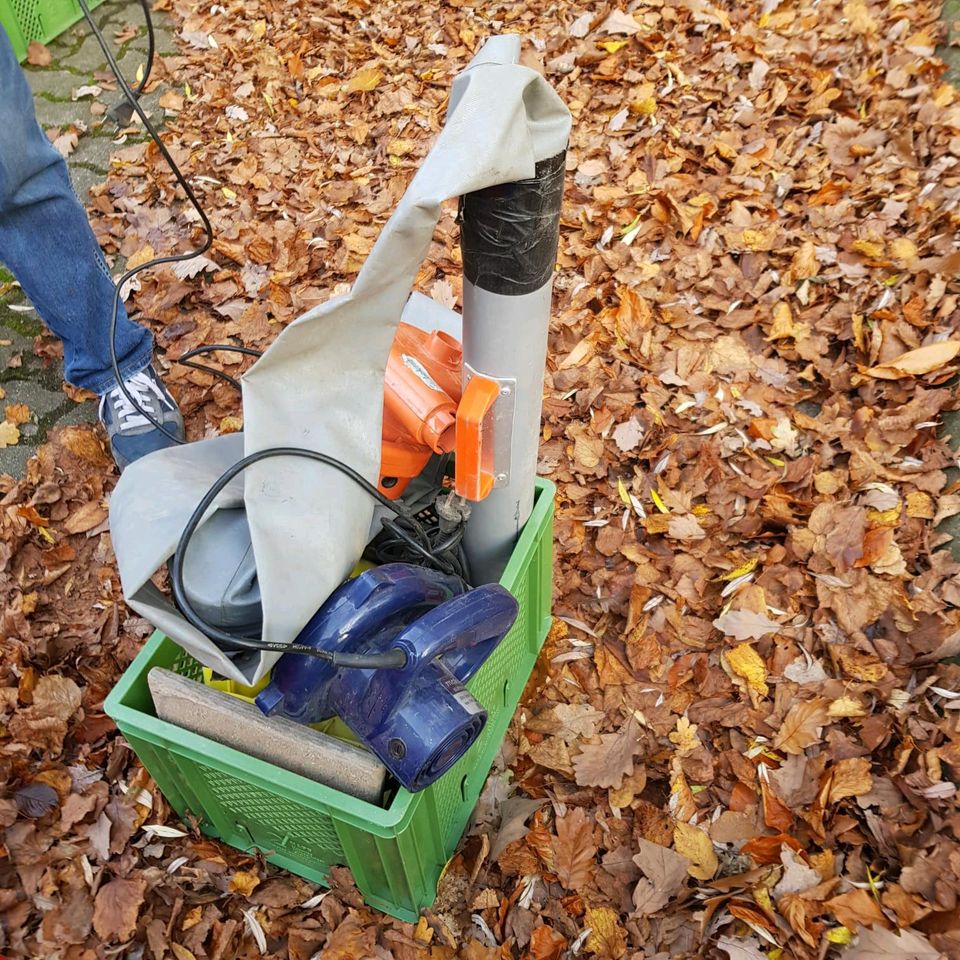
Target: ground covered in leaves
<point>741,741</point>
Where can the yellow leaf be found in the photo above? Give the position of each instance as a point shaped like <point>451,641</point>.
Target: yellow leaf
<point>657,502</point>
<point>903,249</point>
<point>181,952</point>
<point>741,571</point>
<point>231,424</point>
<point>624,493</point>
<point>885,518</point>
<point>644,107</point>
<point>846,707</point>
<point>17,413</point>
<point>747,663</point>
<point>917,362</point>
<point>685,737</point>
<point>782,326</point>
<point>364,81</point>
<point>139,258</point>
<point>229,194</point>
<point>9,434</point>
<point>701,510</point>
<point>691,842</point>
<point>681,803</point>
<point>760,239</point>
<point>869,248</point>
<point>192,918</point>
<point>920,505</point>
<point>399,148</point>
<point>607,939</point>
<point>612,46</point>
<point>840,935</point>
<point>259,29</point>
<point>244,882</point>
<point>858,17</point>
<point>423,933</point>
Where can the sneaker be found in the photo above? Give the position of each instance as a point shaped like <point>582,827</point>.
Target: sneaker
<point>131,434</point>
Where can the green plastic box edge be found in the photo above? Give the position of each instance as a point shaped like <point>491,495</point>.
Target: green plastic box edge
<point>54,17</point>
<point>396,854</point>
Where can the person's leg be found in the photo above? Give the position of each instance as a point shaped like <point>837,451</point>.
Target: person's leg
<point>46,241</point>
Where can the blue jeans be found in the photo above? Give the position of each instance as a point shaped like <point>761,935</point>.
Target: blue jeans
<point>47,243</point>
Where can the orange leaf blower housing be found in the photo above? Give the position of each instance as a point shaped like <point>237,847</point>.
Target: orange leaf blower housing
<point>425,411</point>
<point>420,399</point>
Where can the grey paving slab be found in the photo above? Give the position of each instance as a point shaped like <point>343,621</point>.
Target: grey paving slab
<point>950,51</point>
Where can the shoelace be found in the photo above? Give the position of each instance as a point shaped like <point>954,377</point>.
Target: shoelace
<point>140,386</point>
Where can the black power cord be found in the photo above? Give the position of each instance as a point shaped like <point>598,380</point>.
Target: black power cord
<point>132,98</point>
<point>121,112</point>
<point>412,529</point>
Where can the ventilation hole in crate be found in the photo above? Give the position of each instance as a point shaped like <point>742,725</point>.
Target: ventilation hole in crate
<point>186,666</point>
<point>27,13</point>
<point>307,831</point>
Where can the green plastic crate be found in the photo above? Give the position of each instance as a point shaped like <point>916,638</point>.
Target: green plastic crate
<point>396,854</point>
<point>43,20</point>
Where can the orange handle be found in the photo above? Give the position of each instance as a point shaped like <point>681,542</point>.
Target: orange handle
<point>474,458</point>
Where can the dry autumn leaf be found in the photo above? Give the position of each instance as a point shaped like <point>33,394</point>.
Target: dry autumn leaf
<point>745,625</point>
<point>17,413</point>
<point>851,778</point>
<point>38,55</point>
<point>9,434</point>
<point>802,726</point>
<point>116,907</point>
<point>86,517</point>
<point>573,849</point>
<point>696,846</point>
<point>605,764</point>
<point>747,663</point>
<point>607,940</point>
<point>915,363</point>
<point>664,876</point>
<point>856,908</point>
<point>364,81</point>
<point>244,882</point>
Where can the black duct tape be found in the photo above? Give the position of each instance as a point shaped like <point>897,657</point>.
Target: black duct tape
<point>509,233</point>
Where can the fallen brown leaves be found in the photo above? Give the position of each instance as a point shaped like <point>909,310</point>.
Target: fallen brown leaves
<point>739,742</point>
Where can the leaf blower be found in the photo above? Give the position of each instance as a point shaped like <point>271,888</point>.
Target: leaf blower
<point>427,410</point>
<point>419,719</point>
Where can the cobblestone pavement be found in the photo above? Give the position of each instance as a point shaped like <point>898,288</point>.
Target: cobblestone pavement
<point>24,377</point>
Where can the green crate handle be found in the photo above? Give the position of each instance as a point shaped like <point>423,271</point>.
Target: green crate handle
<point>397,853</point>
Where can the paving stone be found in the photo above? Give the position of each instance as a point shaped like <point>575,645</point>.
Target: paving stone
<point>950,14</point>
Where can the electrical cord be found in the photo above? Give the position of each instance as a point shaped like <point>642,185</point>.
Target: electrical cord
<point>186,360</point>
<point>406,526</point>
<point>132,99</point>
<point>121,112</point>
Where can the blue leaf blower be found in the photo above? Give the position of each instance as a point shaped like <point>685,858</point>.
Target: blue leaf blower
<point>418,719</point>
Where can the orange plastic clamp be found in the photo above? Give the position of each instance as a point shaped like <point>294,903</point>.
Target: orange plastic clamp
<point>474,458</point>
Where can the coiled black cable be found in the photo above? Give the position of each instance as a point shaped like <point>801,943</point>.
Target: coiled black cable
<point>228,641</point>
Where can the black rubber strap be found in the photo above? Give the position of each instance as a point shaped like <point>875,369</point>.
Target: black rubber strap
<point>509,233</point>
